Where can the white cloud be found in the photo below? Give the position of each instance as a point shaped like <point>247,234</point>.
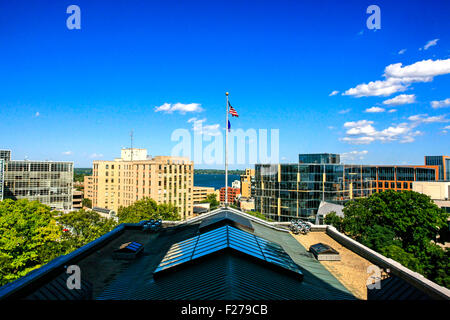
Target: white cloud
<point>401,99</point>
<point>208,130</point>
<point>440,104</point>
<point>399,77</point>
<point>344,111</point>
<point>335,92</point>
<point>392,110</point>
<point>353,155</point>
<point>180,107</point>
<point>375,110</point>
<point>402,51</point>
<point>67,153</point>
<point>430,43</point>
<point>447,128</point>
<point>96,156</point>
<point>352,124</point>
<point>37,114</point>
<point>363,132</point>
<point>376,88</point>
<point>424,118</point>
<point>421,71</point>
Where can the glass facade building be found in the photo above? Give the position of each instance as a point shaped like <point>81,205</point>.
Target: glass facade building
<point>48,182</point>
<point>443,162</point>
<point>5,155</point>
<point>319,158</point>
<point>286,191</point>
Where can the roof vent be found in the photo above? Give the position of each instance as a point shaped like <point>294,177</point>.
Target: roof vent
<point>128,251</point>
<point>152,225</point>
<point>324,252</point>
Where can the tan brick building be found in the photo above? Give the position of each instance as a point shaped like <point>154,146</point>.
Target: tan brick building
<point>135,175</point>
<point>88,187</point>
<point>246,183</point>
<point>200,193</point>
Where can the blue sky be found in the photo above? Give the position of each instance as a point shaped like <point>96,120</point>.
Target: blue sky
<point>76,94</point>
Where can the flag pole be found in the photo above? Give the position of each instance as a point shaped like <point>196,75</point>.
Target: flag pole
<point>226,155</point>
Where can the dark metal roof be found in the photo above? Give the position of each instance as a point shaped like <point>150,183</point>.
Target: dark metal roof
<point>223,277</point>
<point>395,288</point>
<point>57,290</point>
<point>223,218</point>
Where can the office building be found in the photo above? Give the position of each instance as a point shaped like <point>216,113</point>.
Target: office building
<point>135,175</point>
<point>443,162</point>
<point>200,194</point>
<point>319,158</point>
<point>49,182</point>
<point>286,191</point>
<point>232,194</point>
<point>77,202</point>
<point>236,184</point>
<point>2,166</point>
<point>88,187</point>
<point>5,155</point>
<point>247,180</point>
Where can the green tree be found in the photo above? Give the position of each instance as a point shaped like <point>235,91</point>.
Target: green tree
<point>405,258</point>
<point>146,209</point>
<point>29,238</point>
<point>84,227</point>
<point>212,200</point>
<point>87,202</point>
<point>333,219</point>
<point>403,226</point>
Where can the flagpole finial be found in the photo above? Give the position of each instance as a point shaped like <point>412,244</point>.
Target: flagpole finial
<point>226,93</point>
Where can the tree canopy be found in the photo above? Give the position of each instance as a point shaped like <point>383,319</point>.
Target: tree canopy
<point>83,227</point>
<point>212,200</point>
<point>403,226</point>
<point>29,238</point>
<point>31,235</point>
<point>146,209</point>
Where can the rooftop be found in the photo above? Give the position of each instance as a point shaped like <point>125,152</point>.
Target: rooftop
<point>223,254</point>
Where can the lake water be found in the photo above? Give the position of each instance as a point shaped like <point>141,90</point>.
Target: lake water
<point>216,181</point>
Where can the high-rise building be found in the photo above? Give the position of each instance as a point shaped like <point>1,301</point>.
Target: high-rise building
<point>5,155</point>
<point>2,166</point>
<point>246,182</point>
<point>49,182</point>
<point>286,191</point>
<point>443,162</point>
<point>135,175</point>
<point>88,186</point>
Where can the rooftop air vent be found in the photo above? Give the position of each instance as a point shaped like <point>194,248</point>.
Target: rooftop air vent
<point>128,251</point>
<point>152,225</point>
<point>324,252</point>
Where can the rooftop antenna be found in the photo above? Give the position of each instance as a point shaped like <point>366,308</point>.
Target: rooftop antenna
<point>131,138</point>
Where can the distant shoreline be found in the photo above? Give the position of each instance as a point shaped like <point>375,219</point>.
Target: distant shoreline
<point>217,171</point>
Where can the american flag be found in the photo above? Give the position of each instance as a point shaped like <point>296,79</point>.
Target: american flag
<point>233,112</point>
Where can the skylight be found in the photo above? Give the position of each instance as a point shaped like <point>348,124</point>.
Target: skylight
<point>223,238</point>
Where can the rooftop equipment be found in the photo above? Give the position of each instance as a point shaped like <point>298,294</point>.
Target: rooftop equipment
<point>128,251</point>
<point>324,252</point>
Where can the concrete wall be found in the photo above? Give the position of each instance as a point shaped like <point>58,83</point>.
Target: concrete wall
<point>435,190</point>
